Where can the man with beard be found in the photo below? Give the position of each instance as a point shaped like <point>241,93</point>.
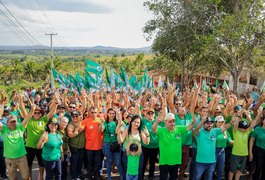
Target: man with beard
<point>206,146</point>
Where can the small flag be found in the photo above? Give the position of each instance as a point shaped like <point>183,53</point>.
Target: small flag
<point>225,85</point>
<point>93,67</point>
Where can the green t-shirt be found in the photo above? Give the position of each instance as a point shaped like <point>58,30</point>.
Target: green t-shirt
<point>240,147</point>
<point>133,164</point>
<point>14,142</point>
<point>206,145</point>
<point>187,138</point>
<point>51,150</point>
<point>170,145</point>
<point>153,138</point>
<point>222,140</point>
<point>109,132</point>
<point>259,135</point>
<point>35,128</point>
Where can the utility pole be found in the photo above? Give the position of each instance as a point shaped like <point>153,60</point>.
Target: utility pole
<point>52,78</point>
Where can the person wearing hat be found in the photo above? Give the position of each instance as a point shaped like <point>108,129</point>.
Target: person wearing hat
<point>170,144</point>
<point>221,143</point>
<point>206,147</point>
<point>52,151</point>
<point>76,144</point>
<point>241,131</point>
<point>14,148</point>
<point>150,151</point>
<point>35,128</point>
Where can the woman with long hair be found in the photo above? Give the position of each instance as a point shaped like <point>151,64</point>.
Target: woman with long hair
<point>52,151</point>
<point>111,148</point>
<point>132,134</point>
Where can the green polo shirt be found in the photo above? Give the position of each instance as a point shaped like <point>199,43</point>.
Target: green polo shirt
<point>170,145</point>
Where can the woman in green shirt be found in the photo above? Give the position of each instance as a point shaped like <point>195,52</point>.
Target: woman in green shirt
<point>52,150</point>
<point>110,138</point>
<point>221,142</point>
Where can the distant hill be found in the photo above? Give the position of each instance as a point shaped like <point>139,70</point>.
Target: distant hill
<point>103,50</point>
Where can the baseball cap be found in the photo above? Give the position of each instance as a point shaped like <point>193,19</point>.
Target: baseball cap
<point>150,110</point>
<point>74,112</point>
<point>243,124</point>
<point>61,107</point>
<point>237,108</point>
<point>219,118</point>
<point>53,121</point>
<point>209,119</point>
<point>169,116</point>
<point>11,118</point>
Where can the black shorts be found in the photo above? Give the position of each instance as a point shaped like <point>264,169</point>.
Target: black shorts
<point>31,153</point>
<point>237,163</point>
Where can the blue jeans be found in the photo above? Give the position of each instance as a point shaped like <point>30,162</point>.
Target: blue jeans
<point>204,168</point>
<point>131,177</point>
<point>220,162</point>
<point>76,161</point>
<point>53,168</point>
<point>110,156</point>
<point>124,165</point>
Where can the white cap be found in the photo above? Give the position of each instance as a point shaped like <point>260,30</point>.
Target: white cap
<point>169,116</point>
<point>219,118</point>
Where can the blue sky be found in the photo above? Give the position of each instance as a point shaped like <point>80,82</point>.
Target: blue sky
<point>115,23</point>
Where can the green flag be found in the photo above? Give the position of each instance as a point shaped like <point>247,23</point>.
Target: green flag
<point>123,76</point>
<point>89,80</point>
<point>225,85</point>
<point>56,75</point>
<point>263,87</point>
<point>93,67</point>
<point>195,85</point>
<point>107,77</point>
<point>204,85</point>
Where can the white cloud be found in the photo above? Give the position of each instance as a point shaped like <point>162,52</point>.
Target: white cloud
<point>120,26</point>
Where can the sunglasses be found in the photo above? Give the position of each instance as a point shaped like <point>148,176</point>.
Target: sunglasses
<point>150,113</point>
<point>178,104</point>
<point>72,107</point>
<point>93,112</point>
<point>74,116</point>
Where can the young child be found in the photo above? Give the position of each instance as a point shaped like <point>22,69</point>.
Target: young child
<point>133,154</point>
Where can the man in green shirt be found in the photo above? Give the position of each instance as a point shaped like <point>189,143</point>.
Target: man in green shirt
<point>170,145</point>
<point>206,147</point>
<point>14,148</point>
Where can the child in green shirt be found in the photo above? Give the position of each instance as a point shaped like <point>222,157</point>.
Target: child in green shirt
<point>133,152</point>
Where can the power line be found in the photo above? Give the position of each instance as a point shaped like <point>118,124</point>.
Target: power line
<point>37,42</point>
<point>13,27</point>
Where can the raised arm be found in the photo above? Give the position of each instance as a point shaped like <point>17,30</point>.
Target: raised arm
<point>24,123</point>
<point>190,126</point>
<point>145,136</point>
<point>43,139</point>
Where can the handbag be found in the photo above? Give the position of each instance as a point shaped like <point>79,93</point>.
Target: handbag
<point>114,146</point>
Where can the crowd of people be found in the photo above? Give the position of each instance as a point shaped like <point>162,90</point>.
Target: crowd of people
<point>212,133</point>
